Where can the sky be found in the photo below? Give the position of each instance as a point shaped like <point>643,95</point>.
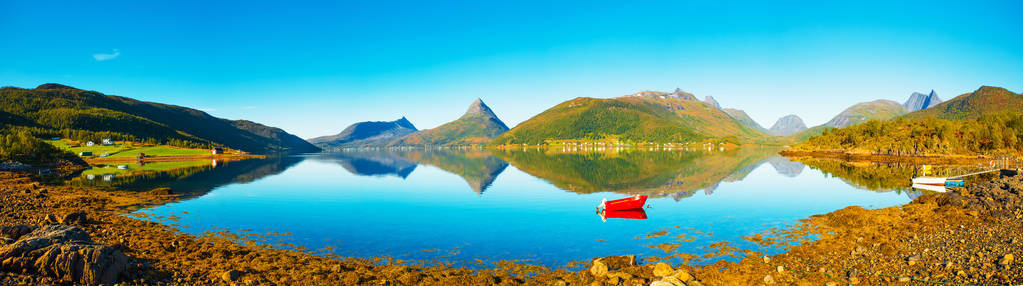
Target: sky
<point>313,68</point>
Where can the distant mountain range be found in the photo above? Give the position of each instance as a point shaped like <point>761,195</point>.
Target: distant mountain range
<point>55,110</point>
<point>478,125</point>
<point>865,111</point>
<point>981,122</point>
<point>366,133</point>
<point>787,125</point>
<point>641,117</point>
<point>744,118</point>
<point>920,101</point>
<point>986,99</point>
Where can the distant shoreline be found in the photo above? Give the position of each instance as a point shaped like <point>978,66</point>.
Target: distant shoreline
<point>174,158</point>
<point>925,159</point>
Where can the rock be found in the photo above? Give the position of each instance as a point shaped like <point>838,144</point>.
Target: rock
<point>65,253</point>
<point>15,231</point>
<point>674,281</point>
<point>74,218</point>
<point>767,259</point>
<point>904,279</point>
<point>1006,260</point>
<point>768,279</point>
<point>599,269</point>
<point>618,261</point>
<point>683,275</point>
<point>82,263</point>
<point>162,192</point>
<point>660,283</point>
<point>663,269</point>
<point>781,269</point>
<point>230,275</point>
<point>912,260</point>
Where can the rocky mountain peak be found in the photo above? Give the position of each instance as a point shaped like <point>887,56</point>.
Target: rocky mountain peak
<point>403,122</point>
<point>710,100</point>
<point>920,101</point>
<point>478,108</point>
<point>787,125</point>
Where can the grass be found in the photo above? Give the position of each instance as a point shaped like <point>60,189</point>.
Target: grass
<point>128,150</point>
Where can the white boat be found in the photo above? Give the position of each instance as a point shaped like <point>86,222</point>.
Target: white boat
<point>934,181</point>
<point>933,188</point>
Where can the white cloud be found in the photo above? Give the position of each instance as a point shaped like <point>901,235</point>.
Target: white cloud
<point>106,57</point>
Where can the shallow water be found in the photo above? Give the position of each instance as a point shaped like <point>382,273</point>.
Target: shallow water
<point>530,206</point>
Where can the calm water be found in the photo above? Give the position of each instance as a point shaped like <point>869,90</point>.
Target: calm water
<point>529,206</point>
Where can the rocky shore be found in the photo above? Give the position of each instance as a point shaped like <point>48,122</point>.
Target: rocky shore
<point>74,235</point>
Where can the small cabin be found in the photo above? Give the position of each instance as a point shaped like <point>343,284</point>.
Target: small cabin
<point>83,154</point>
<point>107,142</point>
<point>217,151</point>
<point>90,143</point>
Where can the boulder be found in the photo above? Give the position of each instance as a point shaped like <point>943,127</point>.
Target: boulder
<point>65,253</point>
<point>78,217</point>
<point>662,269</point>
<point>162,192</point>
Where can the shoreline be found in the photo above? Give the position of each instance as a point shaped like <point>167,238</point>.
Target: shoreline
<point>174,158</point>
<point>926,159</point>
<point>854,245</point>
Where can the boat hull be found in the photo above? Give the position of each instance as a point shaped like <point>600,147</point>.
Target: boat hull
<point>933,181</point>
<point>625,214</point>
<point>636,202</point>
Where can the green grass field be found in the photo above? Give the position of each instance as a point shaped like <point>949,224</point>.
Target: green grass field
<point>128,151</point>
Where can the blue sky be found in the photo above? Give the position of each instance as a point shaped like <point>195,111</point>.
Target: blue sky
<point>313,68</point>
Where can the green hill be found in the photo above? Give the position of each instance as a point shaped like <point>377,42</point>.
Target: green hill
<point>643,117</point>
<point>744,118</point>
<point>986,99</point>
<point>866,111</point>
<point>477,126</point>
<point>54,110</point>
<point>987,121</point>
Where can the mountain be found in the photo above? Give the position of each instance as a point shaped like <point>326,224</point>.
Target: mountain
<point>678,93</point>
<point>744,118</point>
<point>983,122</point>
<point>63,111</point>
<point>478,168</point>
<point>366,133</point>
<point>986,99</point>
<point>866,111</point>
<point>478,125</point>
<point>919,101</point>
<point>787,125</point>
<point>371,162</point>
<point>641,117</point>
<point>660,174</point>
<point>710,100</point>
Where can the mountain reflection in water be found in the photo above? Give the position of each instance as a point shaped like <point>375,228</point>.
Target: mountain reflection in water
<point>533,205</point>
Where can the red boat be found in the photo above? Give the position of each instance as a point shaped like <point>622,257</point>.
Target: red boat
<point>626,214</point>
<point>636,202</point>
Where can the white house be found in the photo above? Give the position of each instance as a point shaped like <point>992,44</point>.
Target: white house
<point>90,143</point>
<point>107,142</point>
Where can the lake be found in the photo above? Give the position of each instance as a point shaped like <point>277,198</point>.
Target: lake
<point>473,207</point>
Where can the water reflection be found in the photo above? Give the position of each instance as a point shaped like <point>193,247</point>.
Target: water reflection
<point>477,167</point>
<point>189,178</point>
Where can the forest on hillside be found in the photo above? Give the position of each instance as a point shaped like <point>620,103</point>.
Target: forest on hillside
<point>998,133</point>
